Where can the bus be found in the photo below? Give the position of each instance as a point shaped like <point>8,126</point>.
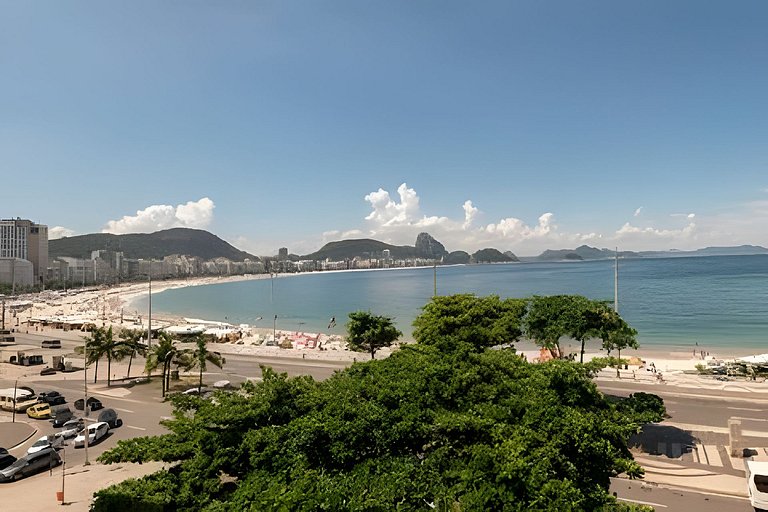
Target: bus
<point>24,399</point>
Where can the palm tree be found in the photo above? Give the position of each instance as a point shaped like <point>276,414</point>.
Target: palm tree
<point>162,353</point>
<point>198,359</point>
<point>95,348</point>
<point>132,345</point>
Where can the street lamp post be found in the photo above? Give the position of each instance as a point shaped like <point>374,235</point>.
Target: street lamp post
<point>15,385</point>
<point>274,330</point>
<point>85,399</point>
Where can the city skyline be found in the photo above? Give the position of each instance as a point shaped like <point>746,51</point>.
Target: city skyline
<point>522,126</point>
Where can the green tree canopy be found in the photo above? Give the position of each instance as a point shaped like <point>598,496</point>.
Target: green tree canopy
<point>483,322</point>
<point>367,332</point>
<point>423,429</point>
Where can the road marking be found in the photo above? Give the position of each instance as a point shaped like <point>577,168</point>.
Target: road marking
<point>744,409</point>
<point>713,455</point>
<point>123,410</point>
<point>649,503</point>
<point>695,453</point>
<point>135,428</point>
<point>748,419</point>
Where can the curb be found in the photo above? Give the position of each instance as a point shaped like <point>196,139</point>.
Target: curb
<point>35,431</point>
<point>727,494</point>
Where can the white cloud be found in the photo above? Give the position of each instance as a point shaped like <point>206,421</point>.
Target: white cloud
<point>193,214</point>
<point>59,232</point>
<point>470,212</point>
<point>399,222</point>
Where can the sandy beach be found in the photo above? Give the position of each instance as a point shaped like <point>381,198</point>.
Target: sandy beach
<point>110,306</point>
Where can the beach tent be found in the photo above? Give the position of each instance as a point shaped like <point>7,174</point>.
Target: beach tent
<point>757,359</point>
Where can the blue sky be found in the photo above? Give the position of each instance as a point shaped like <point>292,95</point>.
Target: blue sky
<point>515,125</point>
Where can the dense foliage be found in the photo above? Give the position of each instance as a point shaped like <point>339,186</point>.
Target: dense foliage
<point>458,430</point>
<point>367,332</point>
<point>465,318</point>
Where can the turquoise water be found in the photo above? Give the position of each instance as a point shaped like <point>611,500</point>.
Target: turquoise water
<point>715,301</point>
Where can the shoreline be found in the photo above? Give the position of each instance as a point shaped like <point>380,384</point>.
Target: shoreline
<point>109,305</point>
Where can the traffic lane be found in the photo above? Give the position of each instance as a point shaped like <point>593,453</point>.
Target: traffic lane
<point>684,406</point>
<point>675,500</point>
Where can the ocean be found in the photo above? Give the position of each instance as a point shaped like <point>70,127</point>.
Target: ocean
<point>712,301</point>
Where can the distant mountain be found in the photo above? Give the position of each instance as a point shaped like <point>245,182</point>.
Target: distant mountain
<point>428,247</point>
<point>360,248</point>
<point>457,258</point>
<point>741,250</point>
<point>492,256</point>
<point>583,252</point>
<point>183,241</point>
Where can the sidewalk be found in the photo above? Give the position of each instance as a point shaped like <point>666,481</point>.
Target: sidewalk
<point>700,479</point>
<point>13,434</point>
<point>38,493</point>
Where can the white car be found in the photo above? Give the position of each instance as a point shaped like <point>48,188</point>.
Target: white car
<point>95,432</point>
<point>45,442</point>
<point>71,429</point>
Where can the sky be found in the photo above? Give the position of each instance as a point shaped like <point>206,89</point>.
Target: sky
<point>517,125</point>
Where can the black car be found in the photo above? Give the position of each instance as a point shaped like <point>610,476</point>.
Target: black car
<point>6,459</point>
<point>93,403</point>
<point>52,398</point>
<point>48,371</point>
<point>109,416</point>
<point>30,464</point>
<point>60,414</point>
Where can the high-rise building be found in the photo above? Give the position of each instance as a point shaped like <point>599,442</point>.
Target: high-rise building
<point>282,254</point>
<point>25,240</point>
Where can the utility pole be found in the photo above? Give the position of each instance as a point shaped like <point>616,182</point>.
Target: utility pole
<point>616,282</point>
<point>85,399</point>
<point>149,321</point>
<point>435,280</point>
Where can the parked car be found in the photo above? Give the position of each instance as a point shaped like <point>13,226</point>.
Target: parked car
<point>45,442</point>
<point>39,411</point>
<point>61,414</point>
<point>95,432</point>
<point>109,416</point>
<point>30,464</point>
<point>6,459</point>
<point>71,428</point>
<point>52,398</point>
<point>48,371</point>
<point>93,403</point>
<point>51,344</point>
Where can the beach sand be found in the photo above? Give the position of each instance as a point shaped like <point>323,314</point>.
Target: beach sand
<point>108,306</point>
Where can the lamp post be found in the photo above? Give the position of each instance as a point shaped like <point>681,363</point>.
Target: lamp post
<point>15,385</point>
<point>85,399</point>
<point>274,330</point>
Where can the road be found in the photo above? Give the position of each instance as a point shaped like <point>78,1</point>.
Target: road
<point>675,500</point>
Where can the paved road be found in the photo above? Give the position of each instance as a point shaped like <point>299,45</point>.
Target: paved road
<point>675,500</point>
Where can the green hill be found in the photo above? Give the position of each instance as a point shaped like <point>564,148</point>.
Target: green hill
<point>184,241</point>
<point>363,248</point>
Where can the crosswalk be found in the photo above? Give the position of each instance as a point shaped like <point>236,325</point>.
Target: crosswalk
<point>716,456</point>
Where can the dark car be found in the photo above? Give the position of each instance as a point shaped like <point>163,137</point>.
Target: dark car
<point>60,414</point>
<point>52,398</point>
<point>6,459</point>
<point>109,416</point>
<point>30,464</point>
<point>48,371</point>
<point>94,404</point>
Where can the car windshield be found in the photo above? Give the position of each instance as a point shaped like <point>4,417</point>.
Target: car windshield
<point>19,463</point>
<point>40,442</point>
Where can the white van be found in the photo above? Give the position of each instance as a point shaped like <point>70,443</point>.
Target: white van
<point>19,399</point>
<point>757,483</point>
